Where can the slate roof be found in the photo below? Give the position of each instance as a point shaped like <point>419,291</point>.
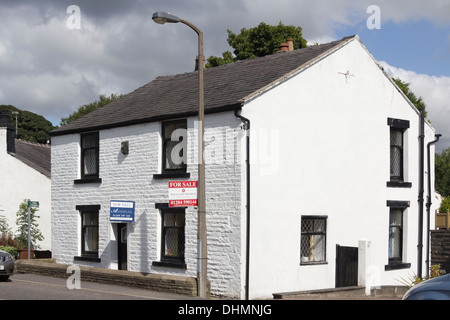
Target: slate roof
<point>35,155</point>
<point>226,88</point>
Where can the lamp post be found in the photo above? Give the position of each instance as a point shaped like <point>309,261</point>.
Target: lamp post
<point>162,18</point>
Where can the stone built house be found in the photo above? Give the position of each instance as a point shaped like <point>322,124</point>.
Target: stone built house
<point>333,150</point>
<point>25,174</point>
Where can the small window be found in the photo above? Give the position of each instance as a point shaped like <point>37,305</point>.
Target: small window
<point>89,233</point>
<point>90,155</point>
<point>397,133</point>
<point>174,135</point>
<point>396,154</point>
<point>172,244</point>
<point>313,240</point>
<point>395,235</point>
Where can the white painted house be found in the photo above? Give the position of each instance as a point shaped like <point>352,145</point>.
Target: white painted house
<point>25,174</point>
<point>334,163</point>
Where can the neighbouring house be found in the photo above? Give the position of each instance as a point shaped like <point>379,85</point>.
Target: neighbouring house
<point>25,174</point>
<point>312,176</point>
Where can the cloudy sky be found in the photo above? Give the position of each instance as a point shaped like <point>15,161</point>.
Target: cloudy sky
<point>50,66</point>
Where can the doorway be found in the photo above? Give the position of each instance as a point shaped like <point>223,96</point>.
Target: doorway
<point>346,266</point>
<point>122,253</point>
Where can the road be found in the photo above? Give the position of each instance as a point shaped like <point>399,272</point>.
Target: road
<point>36,287</point>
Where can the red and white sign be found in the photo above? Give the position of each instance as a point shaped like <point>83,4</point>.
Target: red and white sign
<point>182,193</point>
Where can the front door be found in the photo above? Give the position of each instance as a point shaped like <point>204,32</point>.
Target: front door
<point>122,245</point>
<point>346,266</point>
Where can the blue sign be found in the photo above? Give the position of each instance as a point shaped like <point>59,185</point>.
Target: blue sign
<point>121,211</point>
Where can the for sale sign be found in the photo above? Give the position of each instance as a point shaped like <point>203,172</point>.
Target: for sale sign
<point>182,193</point>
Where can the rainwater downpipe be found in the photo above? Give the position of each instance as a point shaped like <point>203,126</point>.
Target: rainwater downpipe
<point>428,205</point>
<point>247,161</point>
<point>421,191</point>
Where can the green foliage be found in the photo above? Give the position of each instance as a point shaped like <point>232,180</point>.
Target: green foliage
<point>10,249</point>
<point>22,224</point>
<point>445,205</point>
<point>412,280</point>
<point>258,42</point>
<point>30,126</point>
<point>442,169</point>
<point>417,102</point>
<point>88,108</point>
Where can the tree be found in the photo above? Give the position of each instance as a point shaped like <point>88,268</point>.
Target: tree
<point>30,126</point>
<point>442,169</point>
<point>22,224</point>
<point>88,108</point>
<point>258,42</point>
<point>418,102</point>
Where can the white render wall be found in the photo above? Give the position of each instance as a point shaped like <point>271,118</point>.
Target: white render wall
<point>328,155</point>
<point>130,177</point>
<point>19,182</point>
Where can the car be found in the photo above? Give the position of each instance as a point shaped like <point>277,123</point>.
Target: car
<point>433,289</point>
<point>6,265</point>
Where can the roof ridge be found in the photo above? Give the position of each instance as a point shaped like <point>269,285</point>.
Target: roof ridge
<point>250,60</point>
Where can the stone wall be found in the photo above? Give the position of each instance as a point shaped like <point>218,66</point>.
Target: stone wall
<point>155,282</point>
<point>440,249</point>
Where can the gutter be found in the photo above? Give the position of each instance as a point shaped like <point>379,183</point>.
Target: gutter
<point>247,161</point>
<point>428,205</point>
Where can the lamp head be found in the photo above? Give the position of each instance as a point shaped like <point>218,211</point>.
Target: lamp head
<point>163,17</point>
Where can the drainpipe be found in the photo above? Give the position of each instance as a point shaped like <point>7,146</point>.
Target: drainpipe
<point>421,173</point>
<point>437,136</point>
<point>247,161</point>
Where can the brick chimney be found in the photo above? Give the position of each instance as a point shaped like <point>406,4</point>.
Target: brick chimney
<point>290,43</point>
<point>6,133</point>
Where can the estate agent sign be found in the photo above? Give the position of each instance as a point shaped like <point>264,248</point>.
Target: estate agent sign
<point>121,211</point>
<point>182,193</point>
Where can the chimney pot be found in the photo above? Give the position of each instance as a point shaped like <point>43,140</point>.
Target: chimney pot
<point>284,47</point>
<point>290,43</point>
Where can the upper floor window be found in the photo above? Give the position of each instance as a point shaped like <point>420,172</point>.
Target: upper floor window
<point>90,155</point>
<point>397,152</point>
<point>396,164</point>
<point>174,134</point>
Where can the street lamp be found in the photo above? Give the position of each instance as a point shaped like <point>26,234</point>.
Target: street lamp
<point>162,18</point>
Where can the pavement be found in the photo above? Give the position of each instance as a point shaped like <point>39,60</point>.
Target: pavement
<point>187,286</point>
<point>346,293</point>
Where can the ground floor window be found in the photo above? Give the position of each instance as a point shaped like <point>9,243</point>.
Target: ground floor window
<point>172,242</point>
<point>395,235</point>
<point>313,239</point>
<point>397,211</point>
<point>89,231</point>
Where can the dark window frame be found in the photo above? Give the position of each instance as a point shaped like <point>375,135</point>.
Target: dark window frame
<point>177,261</point>
<point>166,140</point>
<point>395,263</point>
<point>397,126</point>
<point>94,210</point>
<point>304,233</point>
<point>85,176</point>
<point>399,149</point>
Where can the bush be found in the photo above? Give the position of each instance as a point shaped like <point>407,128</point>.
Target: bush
<point>445,205</point>
<point>10,249</point>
